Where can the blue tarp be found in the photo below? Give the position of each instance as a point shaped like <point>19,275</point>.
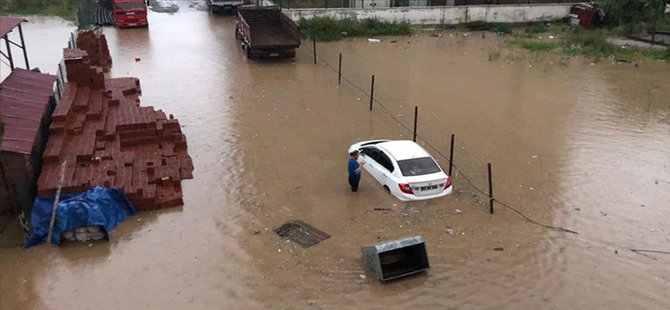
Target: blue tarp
<point>102,206</point>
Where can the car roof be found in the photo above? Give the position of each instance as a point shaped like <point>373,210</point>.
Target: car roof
<point>403,149</point>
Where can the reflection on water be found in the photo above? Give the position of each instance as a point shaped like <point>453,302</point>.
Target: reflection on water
<point>586,147</point>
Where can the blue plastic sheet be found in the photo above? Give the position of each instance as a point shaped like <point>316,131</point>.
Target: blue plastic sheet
<point>102,206</point>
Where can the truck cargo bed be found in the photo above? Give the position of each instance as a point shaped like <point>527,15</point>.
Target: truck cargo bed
<point>267,28</point>
<point>272,36</point>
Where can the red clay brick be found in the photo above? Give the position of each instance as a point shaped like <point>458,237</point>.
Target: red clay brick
<point>108,139</point>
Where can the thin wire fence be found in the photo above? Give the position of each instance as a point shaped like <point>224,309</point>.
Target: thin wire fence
<point>436,149</point>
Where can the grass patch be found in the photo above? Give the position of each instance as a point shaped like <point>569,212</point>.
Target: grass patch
<point>67,9</point>
<point>311,4</point>
<point>494,55</point>
<point>591,44</point>
<point>532,45</point>
<point>537,28</point>
<point>500,28</point>
<point>658,54</point>
<point>328,29</point>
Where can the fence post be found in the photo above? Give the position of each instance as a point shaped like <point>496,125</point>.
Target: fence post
<point>372,91</point>
<point>451,155</point>
<point>416,115</point>
<point>74,41</point>
<point>314,47</point>
<point>490,189</point>
<point>339,71</point>
<point>326,4</point>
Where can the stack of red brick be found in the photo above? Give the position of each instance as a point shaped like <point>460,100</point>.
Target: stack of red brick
<point>95,44</point>
<point>108,139</point>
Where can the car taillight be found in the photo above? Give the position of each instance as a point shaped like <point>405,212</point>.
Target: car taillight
<point>405,188</point>
<point>448,183</point>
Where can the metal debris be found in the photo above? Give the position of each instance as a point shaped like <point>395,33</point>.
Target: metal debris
<point>301,233</point>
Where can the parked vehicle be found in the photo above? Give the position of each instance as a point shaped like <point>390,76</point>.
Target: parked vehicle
<point>130,13</point>
<point>404,168</point>
<point>227,6</point>
<point>266,32</point>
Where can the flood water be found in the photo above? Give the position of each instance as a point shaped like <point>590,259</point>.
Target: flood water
<point>579,145</point>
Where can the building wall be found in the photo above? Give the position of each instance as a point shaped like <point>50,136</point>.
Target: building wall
<point>445,15</point>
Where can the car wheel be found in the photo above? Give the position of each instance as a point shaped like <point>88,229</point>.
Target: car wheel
<point>388,190</point>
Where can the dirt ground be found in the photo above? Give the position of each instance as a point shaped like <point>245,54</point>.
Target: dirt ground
<point>578,145</point>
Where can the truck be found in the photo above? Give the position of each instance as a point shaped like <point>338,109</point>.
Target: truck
<point>130,13</point>
<point>224,6</point>
<point>266,32</point>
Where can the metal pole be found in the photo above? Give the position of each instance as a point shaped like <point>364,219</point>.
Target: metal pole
<point>23,45</point>
<point>326,4</point>
<point>339,71</point>
<point>55,207</point>
<point>451,155</point>
<point>74,41</point>
<point>58,89</point>
<point>372,91</point>
<point>60,69</point>
<point>490,189</point>
<point>9,53</point>
<point>416,115</point>
<point>314,47</point>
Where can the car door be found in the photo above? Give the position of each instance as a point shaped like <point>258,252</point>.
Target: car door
<point>371,155</point>
<point>386,168</point>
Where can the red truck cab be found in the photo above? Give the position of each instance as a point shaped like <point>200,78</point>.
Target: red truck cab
<point>130,13</point>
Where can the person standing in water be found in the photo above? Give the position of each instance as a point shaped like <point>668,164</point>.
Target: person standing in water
<point>354,170</point>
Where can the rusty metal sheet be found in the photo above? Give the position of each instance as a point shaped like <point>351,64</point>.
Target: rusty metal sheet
<point>301,233</point>
<point>21,114</point>
<point>7,24</point>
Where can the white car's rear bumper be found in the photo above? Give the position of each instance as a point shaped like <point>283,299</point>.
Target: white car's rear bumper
<point>407,197</point>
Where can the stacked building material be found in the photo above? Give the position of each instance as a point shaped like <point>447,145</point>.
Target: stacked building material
<point>108,139</point>
<point>95,44</point>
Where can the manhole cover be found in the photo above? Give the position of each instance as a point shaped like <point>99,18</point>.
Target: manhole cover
<point>301,233</point>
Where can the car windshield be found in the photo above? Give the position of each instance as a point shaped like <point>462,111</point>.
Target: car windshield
<point>418,166</point>
<point>129,5</point>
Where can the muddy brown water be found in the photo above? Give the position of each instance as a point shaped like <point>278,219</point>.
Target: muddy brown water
<point>581,146</point>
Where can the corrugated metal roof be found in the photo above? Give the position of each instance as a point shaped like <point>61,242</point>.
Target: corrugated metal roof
<point>24,97</point>
<point>8,23</point>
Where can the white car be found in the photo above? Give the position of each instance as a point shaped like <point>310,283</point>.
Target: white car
<point>404,168</point>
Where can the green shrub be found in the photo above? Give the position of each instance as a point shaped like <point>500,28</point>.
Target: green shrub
<point>537,28</point>
<point>501,28</point>
<point>328,29</point>
<point>66,9</point>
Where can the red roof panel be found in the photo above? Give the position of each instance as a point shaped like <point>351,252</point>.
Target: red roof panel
<point>8,23</point>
